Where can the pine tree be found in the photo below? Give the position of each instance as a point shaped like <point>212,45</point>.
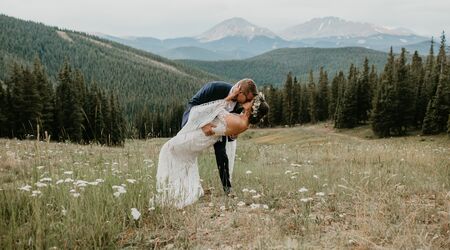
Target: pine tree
<point>68,106</point>
<point>438,107</point>
<point>430,82</point>
<point>99,123</point>
<point>405,95</point>
<point>374,83</point>
<point>312,98</point>
<point>288,100</point>
<point>32,103</point>
<point>3,112</point>
<point>448,125</point>
<point>385,108</point>
<point>336,86</point>
<point>347,110</point>
<point>305,103</point>
<point>47,97</point>
<point>323,96</point>
<point>16,102</point>
<point>296,102</point>
<point>417,80</point>
<point>364,94</point>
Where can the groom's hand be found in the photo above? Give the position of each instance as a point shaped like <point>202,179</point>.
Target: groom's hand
<point>208,129</point>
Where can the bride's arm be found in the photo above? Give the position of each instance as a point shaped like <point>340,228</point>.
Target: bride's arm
<point>236,124</point>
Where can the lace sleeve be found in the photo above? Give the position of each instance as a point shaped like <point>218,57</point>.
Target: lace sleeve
<point>203,114</point>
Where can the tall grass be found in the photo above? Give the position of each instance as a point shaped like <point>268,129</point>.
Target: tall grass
<point>305,187</point>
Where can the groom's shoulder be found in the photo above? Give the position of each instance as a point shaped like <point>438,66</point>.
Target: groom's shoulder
<point>219,84</point>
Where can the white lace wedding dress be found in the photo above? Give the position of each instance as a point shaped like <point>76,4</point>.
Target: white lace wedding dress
<point>177,179</point>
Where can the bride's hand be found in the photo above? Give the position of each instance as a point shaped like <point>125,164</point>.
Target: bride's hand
<point>234,93</point>
<point>208,129</point>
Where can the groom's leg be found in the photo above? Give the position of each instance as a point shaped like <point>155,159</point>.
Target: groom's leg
<point>222,163</point>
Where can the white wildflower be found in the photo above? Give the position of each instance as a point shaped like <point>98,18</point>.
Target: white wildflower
<point>131,181</point>
<point>68,180</point>
<point>80,183</point>
<point>119,190</point>
<point>295,165</point>
<point>256,196</point>
<point>46,179</point>
<point>59,181</point>
<point>265,206</point>
<point>72,191</point>
<point>303,190</point>
<point>223,208</point>
<point>151,209</point>
<point>293,177</point>
<point>245,190</point>
<point>25,188</point>
<point>315,176</point>
<point>135,213</point>
<point>40,167</point>
<point>252,191</point>
<point>287,172</point>
<point>306,199</point>
<point>320,194</point>
<point>241,204</point>
<point>75,195</point>
<point>40,184</point>
<point>99,180</point>
<point>248,172</point>
<point>93,183</point>
<point>254,206</point>
<point>36,193</point>
<point>68,172</point>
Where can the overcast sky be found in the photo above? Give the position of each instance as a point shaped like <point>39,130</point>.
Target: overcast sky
<point>176,18</point>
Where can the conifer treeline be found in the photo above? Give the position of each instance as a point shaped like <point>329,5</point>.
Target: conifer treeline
<point>403,96</point>
<point>71,111</point>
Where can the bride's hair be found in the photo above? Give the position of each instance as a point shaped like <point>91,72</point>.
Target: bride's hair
<point>260,108</point>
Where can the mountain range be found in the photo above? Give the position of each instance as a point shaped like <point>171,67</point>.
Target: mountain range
<point>237,38</point>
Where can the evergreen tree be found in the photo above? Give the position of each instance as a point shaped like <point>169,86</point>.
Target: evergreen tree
<point>323,96</point>
<point>405,95</point>
<point>429,83</point>
<point>47,97</point>
<point>304,104</point>
<point>312,98</point>
<point>68,106</point>
<point>364,94</point>
<point>288,100</point>
<point>417,80</point>
<point>346,116</point>
<point>16,102</point>
<point>385,108</point>
<point>107,120</point>
<point>438,107</point>
<point>336,86</point>
<point>32,103</point>
<point>3,112</point>
<point>296,102</point>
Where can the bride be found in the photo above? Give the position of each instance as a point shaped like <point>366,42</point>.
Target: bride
<point>177,178</point>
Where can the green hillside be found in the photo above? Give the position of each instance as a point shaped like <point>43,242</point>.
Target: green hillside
<point>138,77</point>
<point>272,67</point>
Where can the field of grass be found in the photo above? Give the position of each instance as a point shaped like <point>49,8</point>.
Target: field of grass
<point>302,187</point>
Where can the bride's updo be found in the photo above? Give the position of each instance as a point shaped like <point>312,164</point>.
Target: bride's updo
<point>260,108</point>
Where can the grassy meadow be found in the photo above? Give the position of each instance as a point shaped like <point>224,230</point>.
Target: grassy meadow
<point>295,188</point>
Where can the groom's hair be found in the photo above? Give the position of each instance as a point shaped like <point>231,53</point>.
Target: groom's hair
<point>248,86</point>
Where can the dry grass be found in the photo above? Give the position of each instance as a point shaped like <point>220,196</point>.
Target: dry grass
<point>359,193</point>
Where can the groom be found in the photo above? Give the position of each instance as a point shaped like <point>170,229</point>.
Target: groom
<point>243,91</point>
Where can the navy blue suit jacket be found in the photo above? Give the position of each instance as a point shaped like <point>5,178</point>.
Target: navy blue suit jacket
<point>211,91</point>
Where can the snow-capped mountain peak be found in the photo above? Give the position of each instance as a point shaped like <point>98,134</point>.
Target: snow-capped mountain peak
<point>338,27</point>
<point>235,27</point>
